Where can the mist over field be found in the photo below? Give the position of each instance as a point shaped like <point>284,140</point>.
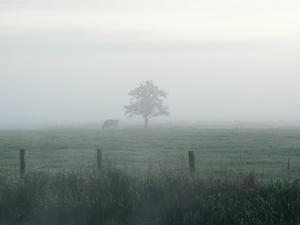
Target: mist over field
<point>66,62</point>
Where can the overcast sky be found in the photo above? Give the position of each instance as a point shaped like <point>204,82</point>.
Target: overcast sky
<point>76,61</point>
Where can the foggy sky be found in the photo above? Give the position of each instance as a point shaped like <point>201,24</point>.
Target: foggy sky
<point>76,61</point>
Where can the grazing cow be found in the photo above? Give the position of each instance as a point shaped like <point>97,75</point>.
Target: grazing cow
<point>110,123</point>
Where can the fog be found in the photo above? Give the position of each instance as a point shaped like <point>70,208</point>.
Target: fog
<point>76,61</point>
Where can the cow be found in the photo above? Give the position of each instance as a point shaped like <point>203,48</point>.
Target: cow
<point>110,123</point>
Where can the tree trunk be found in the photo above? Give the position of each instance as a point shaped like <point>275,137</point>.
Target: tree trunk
<point>146,123</point>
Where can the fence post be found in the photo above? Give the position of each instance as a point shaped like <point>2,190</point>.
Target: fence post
<point>99,157</point>
<point>22,161</point>
<point>192,162</point>
<point>288,167</point>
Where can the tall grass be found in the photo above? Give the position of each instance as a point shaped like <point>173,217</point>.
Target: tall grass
<point>115,196</point>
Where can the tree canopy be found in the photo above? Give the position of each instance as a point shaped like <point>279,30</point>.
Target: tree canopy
<point>147,101</point>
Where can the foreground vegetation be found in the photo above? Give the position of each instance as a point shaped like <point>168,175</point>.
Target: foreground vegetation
<point>114,196</point>
<point>244,175</point>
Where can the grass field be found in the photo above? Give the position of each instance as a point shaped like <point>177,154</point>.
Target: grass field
<point>218,148</point>
<point>242,175</point>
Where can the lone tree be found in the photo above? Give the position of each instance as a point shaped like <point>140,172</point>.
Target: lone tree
<point>146,101</point>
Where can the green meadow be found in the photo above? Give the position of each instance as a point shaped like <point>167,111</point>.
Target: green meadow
<point>218,148</point>
<point>242,175</point>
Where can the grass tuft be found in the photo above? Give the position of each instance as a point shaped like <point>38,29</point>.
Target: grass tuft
<point>114,196</point>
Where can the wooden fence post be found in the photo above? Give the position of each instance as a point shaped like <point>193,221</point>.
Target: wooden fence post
<point>288,167</point>
<point>99,157</point>
<point>22,161</point>
<point>192,162</point>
